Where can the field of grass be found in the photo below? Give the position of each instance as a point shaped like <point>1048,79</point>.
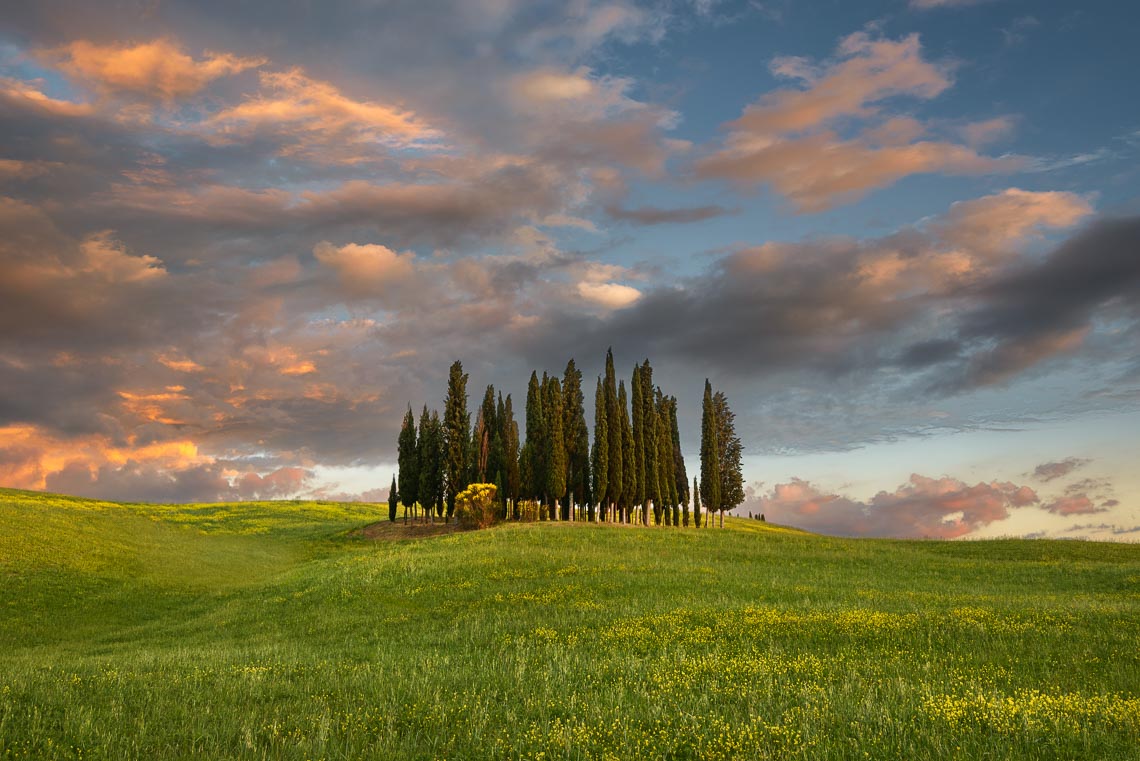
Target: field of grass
<point>275,631</point>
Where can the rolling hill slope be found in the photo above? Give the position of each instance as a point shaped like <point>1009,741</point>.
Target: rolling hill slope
<point>276,631</point>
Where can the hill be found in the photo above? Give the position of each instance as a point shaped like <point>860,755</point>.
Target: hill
<point>279,630</point>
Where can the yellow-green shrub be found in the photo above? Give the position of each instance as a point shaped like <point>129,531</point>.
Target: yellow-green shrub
<point>475,506</point>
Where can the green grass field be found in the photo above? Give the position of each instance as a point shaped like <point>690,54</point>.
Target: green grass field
<point>275,631</point>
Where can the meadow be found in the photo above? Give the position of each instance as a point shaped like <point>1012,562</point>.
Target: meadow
<point>279,630</point>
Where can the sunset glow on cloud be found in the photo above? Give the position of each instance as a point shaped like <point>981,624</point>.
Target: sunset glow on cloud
<point>236,243</point>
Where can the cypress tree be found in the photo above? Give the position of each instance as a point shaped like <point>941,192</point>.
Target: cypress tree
<point>614,414</point>
<point>729,451</point>
<point>680,477</point>
<point>431,463</point>
<point>710,467</point>
<point>407,460</point>
<point>601,454</point>
<point>456,438</point>
<point>534,477</point>
<point>511,451</point>
<point>653,485</point>
<point>485,428</point>
<point>392,501</point>
<point>665,485</point>
<point>577,438</point>
<point>555,444</point>
<point>637,413</point>
<point>628,467</point>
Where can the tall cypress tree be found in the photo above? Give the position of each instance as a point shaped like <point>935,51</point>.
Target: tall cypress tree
<point>484,433</point>
<point>577,438</point>
<point>407,460</point>
<point>497,461</point>
<point>554,454</point>
<point>601,454</point>
<point>511,451</point>
<point>653,490</point>
<point>431,463</point>
<point>680,481</point>
<point>616,439</point>
<point>710,464</point>
<point>665,484</point>
<point>534,476</point>
<point>637,413</point>
<point>628,467</point>
<point>729,451</point>
<point>456,438</point>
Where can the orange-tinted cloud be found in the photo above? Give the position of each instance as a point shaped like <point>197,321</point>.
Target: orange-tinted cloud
<point>368,268</point>
<point>27,97</point>
<point>158,68</point>
<point>315,120</point>
<point>867,71</point>
<point>29,455</point>
<point>791,141</point>
<point>942,508</point>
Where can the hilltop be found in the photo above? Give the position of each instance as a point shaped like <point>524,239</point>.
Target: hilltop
<point>281,630</point>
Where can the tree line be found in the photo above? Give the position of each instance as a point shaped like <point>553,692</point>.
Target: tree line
<point>633,473</point>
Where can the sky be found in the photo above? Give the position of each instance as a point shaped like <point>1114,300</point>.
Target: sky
<point>237,240</point>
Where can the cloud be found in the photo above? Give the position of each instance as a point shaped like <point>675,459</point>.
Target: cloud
<point>316,121</point>
<point>936,508</point>
<point>985,132</point>
<point>846,307</point>
<point>867,71</point>
<point>25,96</point>
<point>158,69</point>
<point>791,140</point>
<point>1049,471</point>
<point>1073,504</point>
<point>652,215</point>
<point>929,4</point>
<point>367,269</point>
<point>609,295</point>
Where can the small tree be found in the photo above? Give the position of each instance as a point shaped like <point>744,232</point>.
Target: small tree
<point>475,506</point>
<point>392,499</point>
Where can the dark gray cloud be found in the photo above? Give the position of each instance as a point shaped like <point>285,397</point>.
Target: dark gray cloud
<point>1047,471</point>
<point>652,215</point>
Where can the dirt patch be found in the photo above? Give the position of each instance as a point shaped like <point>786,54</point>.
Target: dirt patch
<point>387,530</point>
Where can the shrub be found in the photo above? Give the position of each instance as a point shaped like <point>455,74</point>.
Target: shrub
<point>475,506</point>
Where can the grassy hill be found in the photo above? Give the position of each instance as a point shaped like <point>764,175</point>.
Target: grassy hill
<point>279,631</point>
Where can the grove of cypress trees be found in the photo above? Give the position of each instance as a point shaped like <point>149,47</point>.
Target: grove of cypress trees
<point>456,439</point>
